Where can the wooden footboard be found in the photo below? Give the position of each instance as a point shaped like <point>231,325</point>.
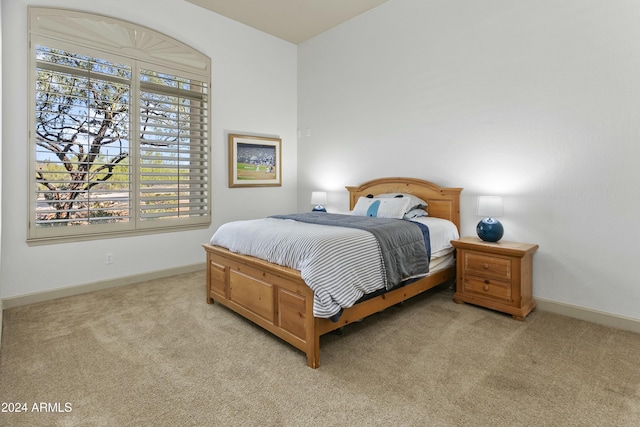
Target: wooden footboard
<point>271,296</point>
<point>277,299</point>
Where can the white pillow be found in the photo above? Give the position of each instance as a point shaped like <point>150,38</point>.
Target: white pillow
<point>381,208</point>
<point>415,202</point>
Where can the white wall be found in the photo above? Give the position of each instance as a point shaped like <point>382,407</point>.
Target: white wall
<point>253,91</point>
<point>537,101</point>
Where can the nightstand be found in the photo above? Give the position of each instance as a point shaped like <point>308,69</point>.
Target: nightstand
<point>495,275</point>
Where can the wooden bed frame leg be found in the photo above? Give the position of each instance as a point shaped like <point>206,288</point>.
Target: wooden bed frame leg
<point>313,360</point>
<point>209,298</point>
<point>313,345</point>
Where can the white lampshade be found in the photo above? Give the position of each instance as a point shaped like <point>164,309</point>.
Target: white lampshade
<point>319,198</point>
<point>489,206</point>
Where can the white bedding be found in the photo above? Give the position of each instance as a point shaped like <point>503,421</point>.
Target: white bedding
<point>339,264</point>
<point>441,233</point>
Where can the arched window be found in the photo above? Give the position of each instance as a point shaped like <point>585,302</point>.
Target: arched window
<point>119,129</point>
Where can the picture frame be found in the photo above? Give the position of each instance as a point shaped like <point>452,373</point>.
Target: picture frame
<point>254,161</point>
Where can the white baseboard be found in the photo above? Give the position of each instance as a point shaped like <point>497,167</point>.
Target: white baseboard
<point>589,315</point>
<point>1,316</point>
<point>96,286</point>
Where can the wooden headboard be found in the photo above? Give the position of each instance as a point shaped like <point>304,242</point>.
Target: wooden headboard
<point>443,202</point>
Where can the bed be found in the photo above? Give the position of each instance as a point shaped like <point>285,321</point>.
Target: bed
<point>278,299</point>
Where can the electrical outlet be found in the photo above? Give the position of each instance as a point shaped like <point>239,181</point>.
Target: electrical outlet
<point>108,258</point>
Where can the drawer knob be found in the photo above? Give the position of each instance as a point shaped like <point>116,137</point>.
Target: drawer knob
<point>487,281</point>
<point>485,266</point>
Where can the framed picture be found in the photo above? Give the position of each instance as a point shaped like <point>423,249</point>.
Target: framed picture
<point>254,161</point>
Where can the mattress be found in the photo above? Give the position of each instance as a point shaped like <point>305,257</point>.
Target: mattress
<point>340,265</point>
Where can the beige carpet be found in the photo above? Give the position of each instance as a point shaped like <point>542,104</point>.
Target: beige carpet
<point>155,354</point>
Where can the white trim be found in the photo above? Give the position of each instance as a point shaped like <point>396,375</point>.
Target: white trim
<point>1,316</point>
<point>589,315</point>
<point>96,286</point>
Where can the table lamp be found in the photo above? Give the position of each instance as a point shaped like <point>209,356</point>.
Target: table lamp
<point>319,199</point>
<point>490,229</point>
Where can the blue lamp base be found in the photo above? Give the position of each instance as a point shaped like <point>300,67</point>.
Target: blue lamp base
<point>490,230</point>
<point>318,208</point>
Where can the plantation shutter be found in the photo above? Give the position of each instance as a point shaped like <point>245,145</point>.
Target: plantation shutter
<point>173,146</point>
<point>82,124</point>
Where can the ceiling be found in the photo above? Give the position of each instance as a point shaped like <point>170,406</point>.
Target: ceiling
<point>293,20</point>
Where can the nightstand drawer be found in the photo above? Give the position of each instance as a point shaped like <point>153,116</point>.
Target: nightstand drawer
<point>484,265</point>
<point>489,288</point>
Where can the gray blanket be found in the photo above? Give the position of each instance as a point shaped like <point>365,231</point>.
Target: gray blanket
<point>404,245</point>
